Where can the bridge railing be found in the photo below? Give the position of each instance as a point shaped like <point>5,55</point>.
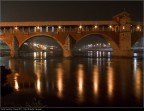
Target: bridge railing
<point>74,28</point>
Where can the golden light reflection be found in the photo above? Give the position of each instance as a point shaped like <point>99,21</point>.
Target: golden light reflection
<point>110,80</point>
<point>138,83</point>
<point>60,80</point>
<point>80,82</point>
<point>34,54</point>
<point>16,85</point>
<point>37,70</point>
<point>38,86</point>
<point>95,80</point>
<point>44,54</point>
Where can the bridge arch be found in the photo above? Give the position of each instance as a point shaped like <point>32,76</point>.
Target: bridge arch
<point>106,37</point>
<point>54,41</point>
<point>44,35</point>
<point>9,46</point>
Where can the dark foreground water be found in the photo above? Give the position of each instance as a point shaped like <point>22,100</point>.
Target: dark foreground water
<point>75,82</point>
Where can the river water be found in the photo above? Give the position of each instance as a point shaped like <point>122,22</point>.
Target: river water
<point>74,82</point>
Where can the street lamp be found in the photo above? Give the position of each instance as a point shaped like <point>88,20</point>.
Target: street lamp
<point>16,28</point>
<point>80,27</point>
<point>59,27</point>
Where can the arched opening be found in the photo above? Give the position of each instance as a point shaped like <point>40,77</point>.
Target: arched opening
<point>138,48</point>
<point>4,49</point>
<point>92,46</point>
<point>40,47</point>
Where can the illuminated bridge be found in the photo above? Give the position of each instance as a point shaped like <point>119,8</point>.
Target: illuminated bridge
<point>121,33</point>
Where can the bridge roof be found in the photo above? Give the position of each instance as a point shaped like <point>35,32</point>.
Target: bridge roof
<point>47,23</point>
<point>124,13</point>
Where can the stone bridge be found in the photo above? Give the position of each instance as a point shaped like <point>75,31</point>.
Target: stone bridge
<point>121,33</point>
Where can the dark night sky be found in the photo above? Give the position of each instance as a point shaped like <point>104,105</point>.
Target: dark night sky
<point>66,10</point>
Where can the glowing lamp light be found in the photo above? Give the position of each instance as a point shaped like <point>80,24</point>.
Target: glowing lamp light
<point>138,27</point>
<point>16,28</point>
<point>59,27</point>
<point>80,26</point>
<point>123,27</point>
<point>95,26</point>
<point>38,27</point>
<point>110,26</point>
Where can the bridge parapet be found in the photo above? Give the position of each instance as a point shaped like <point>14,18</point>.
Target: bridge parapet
<point>86,26</point>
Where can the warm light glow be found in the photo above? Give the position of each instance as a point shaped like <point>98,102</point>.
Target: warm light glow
<point>138,28</point>
<point>44,47</point>
<point>110,81</point>
<point>80,26</point>
<point>95,79</point>
<point>38,27</point>
<point>51,48</point>
<point>137,80</point>
<point>16,86</point>
<point>16,28</point>
<point>59,27</point>
<point>123,27</point>
<point>34,44</point>
<point>34,54</point>
<point>110,26</point>
<point>38,85</point>
<point>37,70</point>
<point>100,53</point>
<point>60,80</point>
<point>95,26</point>
<point>97,53</point>
<point>80,82</point>
<point>109,54</point>
<point>44,54</point>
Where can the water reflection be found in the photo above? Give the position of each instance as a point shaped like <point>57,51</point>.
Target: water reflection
<point>38,72</point>
<point>16,85</point>
<point>110,81</point>
<point>95,80</point>
<point>60,84</point>
<point>138,84</point>
<point>35,54</point>
<point>137,79</point>
<point>38,85</point>
<point>80,81</point>
<point>92,53</point>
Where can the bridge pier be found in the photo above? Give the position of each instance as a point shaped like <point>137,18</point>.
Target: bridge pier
<point>14,48</point>
<point>14,54</point>
<point>124,22</point>
<point>67,53</point>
